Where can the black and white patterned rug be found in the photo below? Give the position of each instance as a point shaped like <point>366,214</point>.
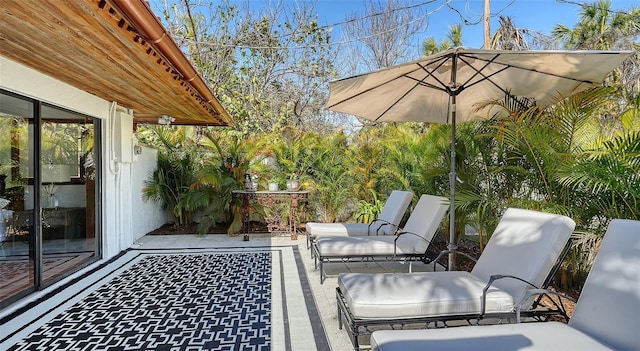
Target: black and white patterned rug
<point>202,301</point>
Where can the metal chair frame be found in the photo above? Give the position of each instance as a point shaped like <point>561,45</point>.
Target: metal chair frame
<point>319,259</point>
<point>357,327</point>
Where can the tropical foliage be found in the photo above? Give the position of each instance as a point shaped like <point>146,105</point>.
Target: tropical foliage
<point>580,157</point>
<point>173,183</point>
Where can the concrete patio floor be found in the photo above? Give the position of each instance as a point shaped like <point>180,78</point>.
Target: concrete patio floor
<point>324,294</point>
<point>300,286</point>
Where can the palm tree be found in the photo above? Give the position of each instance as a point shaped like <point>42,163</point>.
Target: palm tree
<point>508,37</point>
<point>600,28</point>
<point>331,179</point>
<point>454,38</point>
<point>229,157</point>
<point>538,142</point>
<point>485,183</point>
<point>610,175</point>
<point>367,153</point>
<point>296,152</point>
<point>171,183</point>
<point>401,160</point>
<point>557,160</point>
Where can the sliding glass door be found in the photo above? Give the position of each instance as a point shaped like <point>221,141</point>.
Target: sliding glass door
<point>17,242</point>
<point>48,173</point>
<point>67,176</point>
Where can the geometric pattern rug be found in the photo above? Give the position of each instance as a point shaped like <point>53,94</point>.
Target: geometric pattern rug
<point>204,301</point>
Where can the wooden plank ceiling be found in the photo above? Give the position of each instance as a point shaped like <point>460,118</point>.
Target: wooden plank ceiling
<point>90,44</point>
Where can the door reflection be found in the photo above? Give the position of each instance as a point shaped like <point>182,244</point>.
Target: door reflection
<point>17,254</point>
<point>65,199</point>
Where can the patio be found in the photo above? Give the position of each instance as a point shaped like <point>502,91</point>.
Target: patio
<point>191,292</point>
<point>116,66</point>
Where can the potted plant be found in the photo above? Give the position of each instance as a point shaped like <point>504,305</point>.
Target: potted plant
<point>276,180</point>
<point>251,180</point>
<point>293,182</point>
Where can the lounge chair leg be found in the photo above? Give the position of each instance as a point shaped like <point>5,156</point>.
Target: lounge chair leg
<point>315,257</point>
<point>410,266</point>
<point>354,338</point>
<point>339,306</point>
<point>321,272</point>
<point>313,248</point>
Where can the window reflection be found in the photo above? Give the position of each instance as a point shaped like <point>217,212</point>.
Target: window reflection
<point>67,176</point>
<point>17,255</point>
<point>66,194</point>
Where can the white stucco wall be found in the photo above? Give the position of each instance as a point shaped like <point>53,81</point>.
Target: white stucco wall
<point>148,215</point>
<point>121,184</point>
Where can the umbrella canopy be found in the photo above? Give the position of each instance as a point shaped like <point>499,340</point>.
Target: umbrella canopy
<point>445,87</point>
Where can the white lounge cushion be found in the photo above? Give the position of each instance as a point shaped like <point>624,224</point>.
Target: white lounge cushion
<point>550,336</point>
<point>406,295</point>
<point>316,229</point>
<point>340,246</point>
<point>609,305</point>
<point>414,238</point>
<point>423,224</point>
<point>525,244</point>
<point>388,220</point>
<point>606,316</point>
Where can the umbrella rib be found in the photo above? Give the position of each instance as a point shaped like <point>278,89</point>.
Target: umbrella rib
<point>422,82</point>
<point>507,66</point>
<point>443,60</point>
<point>444,87</point>
<point>551,74</point>
<point>486,77</point>
<point>506,92</point>
<point>419,82</point>
<point>428,85</point>
<point>364,92</point>
<point>479,72</point>
<point>400,98</point>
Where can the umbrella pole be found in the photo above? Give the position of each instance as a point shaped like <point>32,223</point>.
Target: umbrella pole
<point>453,93</point>
<point>452,186</point>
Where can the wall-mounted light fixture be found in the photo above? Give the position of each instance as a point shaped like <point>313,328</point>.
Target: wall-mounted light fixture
<point>166,120</point>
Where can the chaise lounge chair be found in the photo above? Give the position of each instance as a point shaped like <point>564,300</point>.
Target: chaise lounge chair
<point>520,254</point>
<point>606,317</point>
<point>409,245</point>
<point>386,224</point>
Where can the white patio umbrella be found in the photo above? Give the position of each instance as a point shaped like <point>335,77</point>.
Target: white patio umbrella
<point>443,88</point>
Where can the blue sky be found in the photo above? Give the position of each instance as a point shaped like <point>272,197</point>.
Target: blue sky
<point>539,15</point>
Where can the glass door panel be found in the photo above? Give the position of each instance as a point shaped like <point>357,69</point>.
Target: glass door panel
<point>67,173</point>
<point>47,219</point>
<point>17,230</point>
